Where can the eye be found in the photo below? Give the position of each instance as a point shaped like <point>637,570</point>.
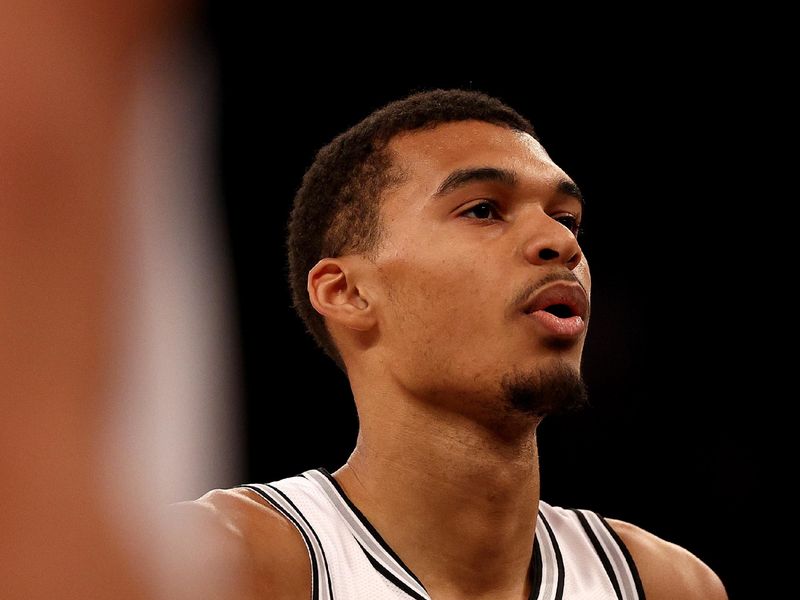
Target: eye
<point>482,211</point>
<point>571,222</point>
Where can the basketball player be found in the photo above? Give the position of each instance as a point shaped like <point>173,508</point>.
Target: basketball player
<point>434,255</point>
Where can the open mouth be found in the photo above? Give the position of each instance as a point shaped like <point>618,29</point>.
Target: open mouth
<point>560,300</point>
<point>562,311</point>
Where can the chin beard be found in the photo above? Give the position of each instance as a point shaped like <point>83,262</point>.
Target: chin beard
<point>554,389</point>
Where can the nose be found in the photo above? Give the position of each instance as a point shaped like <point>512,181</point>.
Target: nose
<point>548,242</point>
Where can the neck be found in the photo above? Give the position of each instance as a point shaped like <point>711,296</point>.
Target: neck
<point>455,499</point>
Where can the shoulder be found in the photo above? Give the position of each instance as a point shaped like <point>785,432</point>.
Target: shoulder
<point>242,533</point>
<point>668,572</point>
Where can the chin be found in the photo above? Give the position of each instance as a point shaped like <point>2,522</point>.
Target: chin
<point>552,386</point>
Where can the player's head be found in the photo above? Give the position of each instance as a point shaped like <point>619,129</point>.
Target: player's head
<point>437,241</point>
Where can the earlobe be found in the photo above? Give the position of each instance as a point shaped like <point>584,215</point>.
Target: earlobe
<point>334,293</point>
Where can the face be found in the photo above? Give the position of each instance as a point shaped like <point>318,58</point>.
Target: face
<point>480,271</point>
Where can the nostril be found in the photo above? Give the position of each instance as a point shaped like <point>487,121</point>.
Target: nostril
<point>548,254</point>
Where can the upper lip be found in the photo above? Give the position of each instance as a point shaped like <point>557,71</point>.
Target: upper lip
<point>570,295</point>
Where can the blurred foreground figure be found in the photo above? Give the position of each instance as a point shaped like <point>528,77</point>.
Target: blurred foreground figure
<point>102,335</point>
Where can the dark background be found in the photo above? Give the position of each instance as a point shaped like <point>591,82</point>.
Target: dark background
<point>679,235</point>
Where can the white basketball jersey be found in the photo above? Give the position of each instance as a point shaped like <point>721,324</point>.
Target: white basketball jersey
<point>576,555</point>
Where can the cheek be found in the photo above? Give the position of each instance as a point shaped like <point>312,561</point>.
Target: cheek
<point>436,295</point>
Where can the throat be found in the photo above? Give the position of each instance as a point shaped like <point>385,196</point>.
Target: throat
<point>470,513</point>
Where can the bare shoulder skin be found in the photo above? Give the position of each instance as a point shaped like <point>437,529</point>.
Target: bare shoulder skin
<point>260,548</point>
<point>668,572</point>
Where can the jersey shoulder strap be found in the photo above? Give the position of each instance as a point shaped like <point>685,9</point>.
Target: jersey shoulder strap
<point>584,532</point>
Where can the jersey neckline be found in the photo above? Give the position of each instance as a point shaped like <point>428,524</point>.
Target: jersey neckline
<point>547,581</point>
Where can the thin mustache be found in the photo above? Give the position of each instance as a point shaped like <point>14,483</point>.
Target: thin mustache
<point>530,289</point>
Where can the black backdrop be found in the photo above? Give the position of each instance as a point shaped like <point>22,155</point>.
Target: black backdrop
<point>678,231</point>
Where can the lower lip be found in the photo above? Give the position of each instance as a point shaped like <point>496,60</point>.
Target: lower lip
<point>567,327</point>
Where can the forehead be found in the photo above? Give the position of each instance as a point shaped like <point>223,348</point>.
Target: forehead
<point>427,156</point>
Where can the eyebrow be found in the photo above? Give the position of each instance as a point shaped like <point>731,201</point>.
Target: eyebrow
<point>570,188</point>
<point>461,177</point>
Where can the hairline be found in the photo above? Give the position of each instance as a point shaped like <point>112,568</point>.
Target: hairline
<point>402,175</point>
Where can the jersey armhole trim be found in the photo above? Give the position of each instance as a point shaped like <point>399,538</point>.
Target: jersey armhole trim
<point>600,552</point>
<point>628,558</point>
<point>319,590</point>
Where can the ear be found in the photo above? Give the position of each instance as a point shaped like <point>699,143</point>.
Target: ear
<point>334,292</point>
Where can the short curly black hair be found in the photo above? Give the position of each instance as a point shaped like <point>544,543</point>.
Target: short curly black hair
<point>336,211</point>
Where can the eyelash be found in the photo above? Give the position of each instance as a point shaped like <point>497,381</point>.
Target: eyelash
<point>492,206</point>
<point>573,223</point>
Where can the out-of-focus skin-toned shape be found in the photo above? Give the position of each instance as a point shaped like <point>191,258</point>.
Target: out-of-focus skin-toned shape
<point>67,82</point>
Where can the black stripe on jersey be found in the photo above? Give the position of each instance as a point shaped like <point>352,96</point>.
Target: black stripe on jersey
<point>306,539</point>
<point>389,575</point>
<point>536,584</point>
<point>559,559</point>
<point>626,553</point>
<point>601,554</point>
<point>365,522</point>
<point>321,548</point>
